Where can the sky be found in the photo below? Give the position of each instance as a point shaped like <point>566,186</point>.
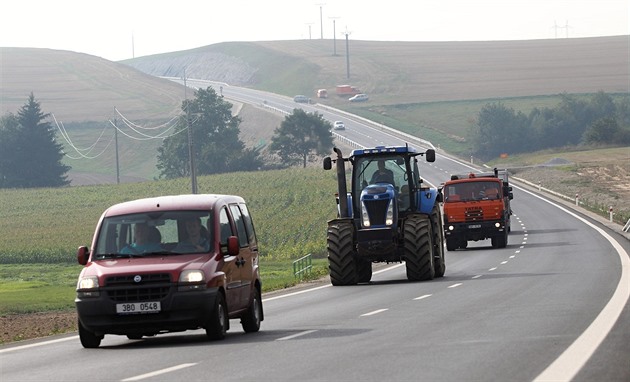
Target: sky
<point>122,29</point>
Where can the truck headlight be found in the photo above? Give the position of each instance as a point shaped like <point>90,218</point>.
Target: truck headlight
<point>192,279</point>
<point>88,287</point>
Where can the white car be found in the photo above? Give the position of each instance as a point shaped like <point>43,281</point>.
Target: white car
<point>339,125</point>
<point>358,98</point>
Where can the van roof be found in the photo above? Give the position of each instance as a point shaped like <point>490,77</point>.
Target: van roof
<point>172,203</point>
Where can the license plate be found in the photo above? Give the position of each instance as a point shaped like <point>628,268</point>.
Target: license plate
<point>473,226</point>
<point>138,307</point>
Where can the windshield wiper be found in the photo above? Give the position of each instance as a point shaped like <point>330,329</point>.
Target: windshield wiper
<point>116,255</point>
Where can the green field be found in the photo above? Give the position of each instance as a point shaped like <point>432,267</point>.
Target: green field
<point>42,228</point>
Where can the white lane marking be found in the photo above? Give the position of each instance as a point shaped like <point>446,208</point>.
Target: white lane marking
<point>511,257</point>
<point>455,285</point>
<point>493,269</point>
<point>324,286</point>
<point>296,335</point>
<point>374,312</point>
<point>38,344</point>
<point>569,363</point>
<point>503,262</point>
<point>159,372</point>
<point>423,297</point>
<point>476,277</point>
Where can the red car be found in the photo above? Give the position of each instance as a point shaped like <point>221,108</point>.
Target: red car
<point>168,264</point>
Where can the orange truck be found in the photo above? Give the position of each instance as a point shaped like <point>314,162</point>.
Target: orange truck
<point>477,207</point>
<point>346,90</point>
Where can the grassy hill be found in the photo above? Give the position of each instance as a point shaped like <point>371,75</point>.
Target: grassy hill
<point>429,89</point>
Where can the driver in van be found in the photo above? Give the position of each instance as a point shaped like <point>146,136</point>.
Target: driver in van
<point>197,237</point>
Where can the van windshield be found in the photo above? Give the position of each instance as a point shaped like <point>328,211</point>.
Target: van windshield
<point>143,234</point>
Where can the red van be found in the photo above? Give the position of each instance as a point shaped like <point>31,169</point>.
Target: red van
<point>168,264</point>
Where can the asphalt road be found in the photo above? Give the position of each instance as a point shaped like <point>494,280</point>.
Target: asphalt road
<point>552,305</point>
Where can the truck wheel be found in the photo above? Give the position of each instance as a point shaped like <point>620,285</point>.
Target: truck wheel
<point>451,244</point>
<point>341,255</point>
<point>217,324</point>
<point>438,242</point>
<point>252,318</point>
<point>418,249</point>
<point>88,339</point>
<point>364,268</point>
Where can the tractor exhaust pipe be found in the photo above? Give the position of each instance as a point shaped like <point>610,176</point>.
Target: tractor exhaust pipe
<point>341,181</point>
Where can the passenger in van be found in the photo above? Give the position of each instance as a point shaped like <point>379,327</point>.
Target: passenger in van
<point>142,241</point>
<point>197,240</point>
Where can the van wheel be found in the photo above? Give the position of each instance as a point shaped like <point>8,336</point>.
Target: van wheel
<point>217,324</point>
<point>88,339</point>
<point>254,315</point>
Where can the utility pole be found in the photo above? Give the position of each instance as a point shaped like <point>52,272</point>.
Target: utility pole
<point>321,20</point>
<point>116,142</point>
<point>191,151</point>
<point>334,36</point>
<point>347,54</point>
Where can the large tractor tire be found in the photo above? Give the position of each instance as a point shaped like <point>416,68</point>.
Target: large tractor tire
<point>438,241</point>
<point>364,268</point>
<point>342,262</point>
<point>418,248</point>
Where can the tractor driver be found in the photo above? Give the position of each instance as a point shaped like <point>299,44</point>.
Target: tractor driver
<point>382,174</point>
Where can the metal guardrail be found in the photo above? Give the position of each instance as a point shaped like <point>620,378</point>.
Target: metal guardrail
<point>302,266</point>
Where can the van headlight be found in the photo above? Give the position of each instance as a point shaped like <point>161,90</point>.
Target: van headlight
<point>88,287</point>
<point>192,279</point>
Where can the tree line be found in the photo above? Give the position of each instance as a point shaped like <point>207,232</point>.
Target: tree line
<point>31,157</point>
<point>598,120</point>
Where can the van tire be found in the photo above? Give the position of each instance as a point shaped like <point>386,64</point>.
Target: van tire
<point>88,339</point>
<point>254,315</point>
<point>217,324</point>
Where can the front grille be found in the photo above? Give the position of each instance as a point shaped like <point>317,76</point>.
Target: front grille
<point>474,214</point>
<point>124,289</point>
<point>376,209</point>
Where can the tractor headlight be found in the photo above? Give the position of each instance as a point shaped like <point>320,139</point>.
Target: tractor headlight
<point>365,218</point>
<point>389,217</point>
<point>450,228</point>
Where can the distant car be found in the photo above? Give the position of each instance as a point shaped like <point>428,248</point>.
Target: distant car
<point>339,125</point>
<point>358,98</point>
<point>301,99</point>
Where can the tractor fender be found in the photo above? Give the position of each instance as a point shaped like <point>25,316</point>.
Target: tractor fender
<point>427,198</point>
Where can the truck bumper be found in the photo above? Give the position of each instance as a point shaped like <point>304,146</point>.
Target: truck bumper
<point>475,230</point>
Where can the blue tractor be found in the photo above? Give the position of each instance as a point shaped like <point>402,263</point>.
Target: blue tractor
<point>386,216</point>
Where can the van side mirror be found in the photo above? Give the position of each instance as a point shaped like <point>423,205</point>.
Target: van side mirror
<point>430,155</point>
<point>83,254</point>
<point>233,246</point>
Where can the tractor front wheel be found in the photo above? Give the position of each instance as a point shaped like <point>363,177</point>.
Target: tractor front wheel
<point>342,263</point>
<point>418,248</point>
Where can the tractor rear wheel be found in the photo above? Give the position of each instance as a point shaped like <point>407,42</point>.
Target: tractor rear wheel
<point>342,262</point>
<point>418,248</point>
<point>438,241</point>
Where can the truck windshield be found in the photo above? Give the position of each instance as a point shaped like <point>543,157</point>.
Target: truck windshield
<point>472,190</point>
<point>141,234</point>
